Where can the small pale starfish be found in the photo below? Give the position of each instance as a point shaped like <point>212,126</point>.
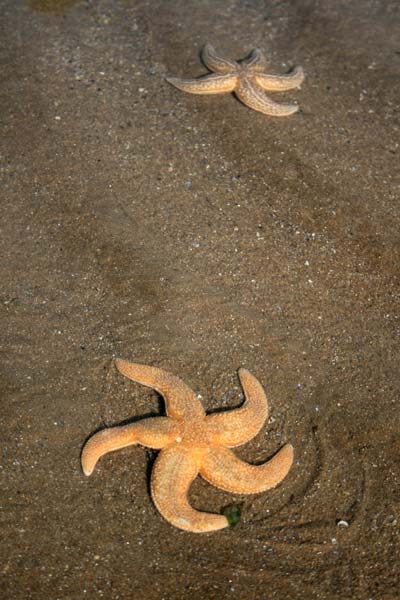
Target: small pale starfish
<point>245,78</point>
<point>192,442</point>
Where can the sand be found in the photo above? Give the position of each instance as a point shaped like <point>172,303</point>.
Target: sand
<point>196,235</point>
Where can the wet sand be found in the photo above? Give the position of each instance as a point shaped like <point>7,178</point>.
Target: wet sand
<point>196,235</point>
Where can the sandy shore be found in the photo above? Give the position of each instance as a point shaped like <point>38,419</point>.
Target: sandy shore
<point>196,235</point>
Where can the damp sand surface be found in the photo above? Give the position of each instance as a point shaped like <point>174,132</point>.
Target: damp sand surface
<point>196,235</point>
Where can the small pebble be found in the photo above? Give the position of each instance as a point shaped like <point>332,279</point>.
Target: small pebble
<point>342,523</point>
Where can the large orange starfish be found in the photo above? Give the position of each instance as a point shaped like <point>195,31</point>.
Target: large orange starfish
<point>192,443</point>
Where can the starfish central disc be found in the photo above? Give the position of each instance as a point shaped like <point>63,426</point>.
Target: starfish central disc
<point>194,435</point>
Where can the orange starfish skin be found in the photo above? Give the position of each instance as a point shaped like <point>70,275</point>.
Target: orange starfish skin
<point>193,443</point>
<point>245,78</point>
<point>156,433</point>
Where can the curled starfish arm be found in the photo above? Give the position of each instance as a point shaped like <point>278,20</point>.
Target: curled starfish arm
<point>222,468</point>
<point>180,400</point>
<point>172,475</point>
<point>255,61</point>
<point>216,63</point>
<point>155,433</point>
<point>281,83</point>
<point>251,97</point>
<point>235,427</point>
<point>209,84</point>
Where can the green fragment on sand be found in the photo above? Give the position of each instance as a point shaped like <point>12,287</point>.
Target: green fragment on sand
<point>233,514</point>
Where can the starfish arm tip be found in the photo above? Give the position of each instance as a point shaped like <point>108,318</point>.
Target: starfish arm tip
<point>216,63</point>
<point>119,363</point>
<point>284,460</point>
<point>243,371</point>
<point>88,462</point>
<point>87,472</point>
<point>289,450</point>
<point>208,47</point>
<point>178,81</point>
<point>299,71</point>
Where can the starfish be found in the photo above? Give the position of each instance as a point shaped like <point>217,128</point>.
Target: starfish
<point>192,442</point>
<point>245,78</point>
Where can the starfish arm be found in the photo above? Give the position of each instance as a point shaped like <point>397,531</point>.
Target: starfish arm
<point>180,400</point>
<point>251,97</point>
<point>235,427</point>
<point>154,432</point>
<point>174,471</point>
<point>281,83</point>
<point>222,468</point>
<point>216,63</point>
<point>255,61</point>
<point>209,84</point>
